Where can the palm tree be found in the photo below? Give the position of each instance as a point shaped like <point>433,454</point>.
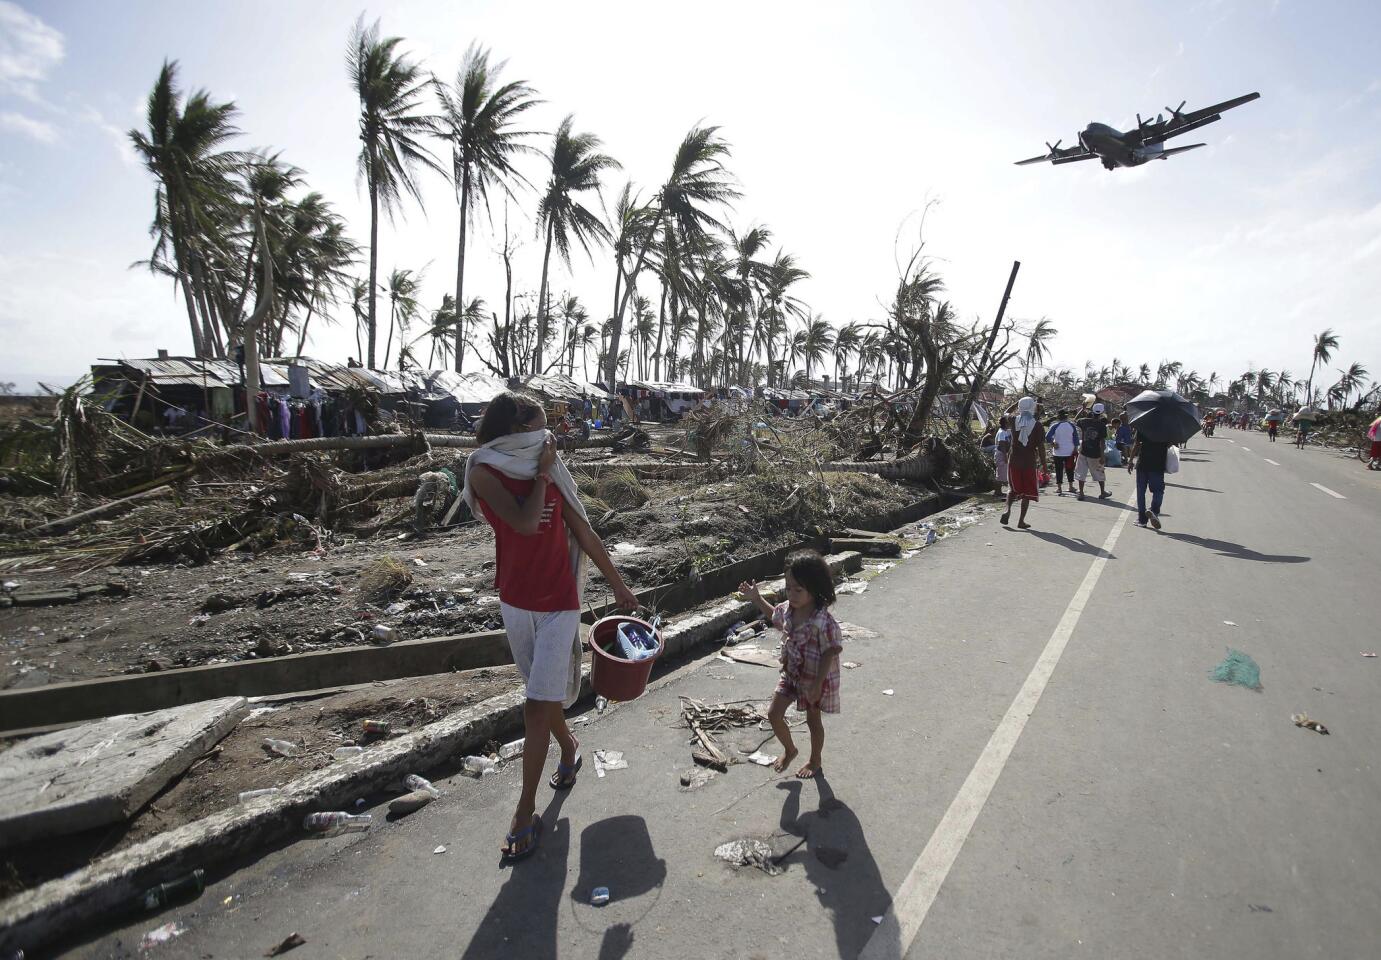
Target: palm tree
<point>777,305</point>
<point>1143,374</point>
<point>818,338</point>
<point>392,126</point>
<point>478,118</point>
<point>1265,384</point>
<point>576,166</point>
<point>698,181</point>
<point>1325,343</point>
<point>1037,348</point>
<point>403,286</point>
<point>183,150</point>
<point>846,343</point>
<point>1353,378</point>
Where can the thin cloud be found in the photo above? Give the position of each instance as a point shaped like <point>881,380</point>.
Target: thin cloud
<point>28,126</point>
<point>29,49</point>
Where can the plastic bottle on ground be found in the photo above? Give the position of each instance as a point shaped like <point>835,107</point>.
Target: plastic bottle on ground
<point>336,822</point>
<point>345,753</point>
<point>281,747</point>
<point>479,766</point>
<point>248,795</point>
<point>510,750</point>
<point>183,888</point>
<point>415,783</point>
<point>599,896</point>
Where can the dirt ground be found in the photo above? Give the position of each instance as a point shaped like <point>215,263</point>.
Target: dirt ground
<point>242,606</point>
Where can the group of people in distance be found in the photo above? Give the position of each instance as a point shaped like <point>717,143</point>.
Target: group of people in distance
<point>1078,451</point>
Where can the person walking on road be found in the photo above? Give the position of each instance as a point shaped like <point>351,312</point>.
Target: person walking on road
<point>1064,442</point>
<point>1374,435</point>
<point>1123,438</point>
<point>1093,437</point>
<point>1028,451</point>
<point>1150,457</point>
<point>810,654</point>
<point>1002,450</point>
<point>516,481</point>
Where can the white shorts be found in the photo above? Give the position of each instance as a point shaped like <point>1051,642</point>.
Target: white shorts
<point>1087,465</point>
<point>546,649</point>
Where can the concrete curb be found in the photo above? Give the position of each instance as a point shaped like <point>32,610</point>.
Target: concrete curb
<point>61,907</point>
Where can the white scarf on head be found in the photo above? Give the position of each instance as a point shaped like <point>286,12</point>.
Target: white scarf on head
<point>1026,418</point>
<point>516,455</point>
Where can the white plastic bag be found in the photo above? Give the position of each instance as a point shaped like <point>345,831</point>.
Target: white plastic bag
<point>1172,459</point>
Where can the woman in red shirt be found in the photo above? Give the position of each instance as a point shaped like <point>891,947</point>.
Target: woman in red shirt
<point>536,573</point>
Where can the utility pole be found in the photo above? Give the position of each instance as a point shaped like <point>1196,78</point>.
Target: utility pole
<point>977,383</point>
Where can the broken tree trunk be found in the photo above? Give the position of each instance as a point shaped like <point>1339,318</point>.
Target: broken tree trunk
<point>106,510</point>
<point>914,466</point>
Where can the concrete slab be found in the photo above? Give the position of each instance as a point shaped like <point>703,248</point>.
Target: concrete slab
<point>103,772</point>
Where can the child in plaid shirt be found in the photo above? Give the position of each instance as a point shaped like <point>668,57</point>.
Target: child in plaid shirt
<point>810,653</point>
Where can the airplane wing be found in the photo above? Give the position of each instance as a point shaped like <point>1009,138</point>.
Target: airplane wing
<point>1184,122</point>
<point>1056,155</point>
<point>1174,150</point>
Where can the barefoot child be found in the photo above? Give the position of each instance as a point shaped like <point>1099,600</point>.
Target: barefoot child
<point>810,653</point>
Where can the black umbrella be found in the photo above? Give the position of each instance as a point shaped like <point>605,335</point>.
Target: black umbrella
<point>1163,416</point>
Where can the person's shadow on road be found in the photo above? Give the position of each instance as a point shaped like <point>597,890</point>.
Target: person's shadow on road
<point>838,862</point>
<point>1078,546</point>
<point>521,922</point>
<point>1182,486</point>
<point>1227,548</point>
<point>617,852</point>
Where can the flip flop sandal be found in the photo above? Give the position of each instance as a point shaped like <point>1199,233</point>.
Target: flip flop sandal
<point>533,830</point>
<point>564,777</point>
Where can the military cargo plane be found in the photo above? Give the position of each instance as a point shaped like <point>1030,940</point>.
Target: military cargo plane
<point>1135,147</point>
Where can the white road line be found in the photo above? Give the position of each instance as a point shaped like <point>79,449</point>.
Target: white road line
<point>1331,493</point>
<point>1246,449</point>
<point>1230,440</point>
<point>894,936</point>
<point>1270,461</point>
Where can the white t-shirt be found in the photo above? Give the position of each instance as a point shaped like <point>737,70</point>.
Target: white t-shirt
<point>1062,438</point>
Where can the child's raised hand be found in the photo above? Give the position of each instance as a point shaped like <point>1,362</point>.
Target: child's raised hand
<point>749,588</point>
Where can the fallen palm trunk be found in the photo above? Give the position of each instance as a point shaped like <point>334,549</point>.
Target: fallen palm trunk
<point>916,467</point>
<point>105,511</point>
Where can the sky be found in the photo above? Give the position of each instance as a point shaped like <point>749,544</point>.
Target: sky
<point>846,121</point>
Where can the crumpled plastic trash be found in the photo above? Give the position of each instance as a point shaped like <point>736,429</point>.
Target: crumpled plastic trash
<point>852,586</point>
<point>748,853</point>
<point>1237,668</point>
<point>1305,721</point>
<point>162,934</point>
<point>609,760</point>
<point>762,759</point>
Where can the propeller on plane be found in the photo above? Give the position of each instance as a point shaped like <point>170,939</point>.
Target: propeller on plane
<point>1175,111</point>
<point>1054,149</point>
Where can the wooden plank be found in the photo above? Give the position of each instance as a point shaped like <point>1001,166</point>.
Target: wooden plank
<point>103,772</point>
<point>107,696</point>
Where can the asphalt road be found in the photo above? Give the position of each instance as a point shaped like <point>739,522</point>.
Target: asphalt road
<point>1053,774</point>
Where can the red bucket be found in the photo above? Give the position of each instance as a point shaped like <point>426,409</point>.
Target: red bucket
<point>612,676</point>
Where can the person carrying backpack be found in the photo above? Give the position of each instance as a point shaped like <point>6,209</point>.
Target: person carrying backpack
<point>1093,437</point>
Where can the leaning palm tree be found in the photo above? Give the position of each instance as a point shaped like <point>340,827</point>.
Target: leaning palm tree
<point>478,118</point>
<point>1037,348</point>
<point>183,149</point>
<point>392,127</point>
<point>698,181</point>
<point>576,167</point>
<point>1353,378</point>
<point>1325,343</point>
